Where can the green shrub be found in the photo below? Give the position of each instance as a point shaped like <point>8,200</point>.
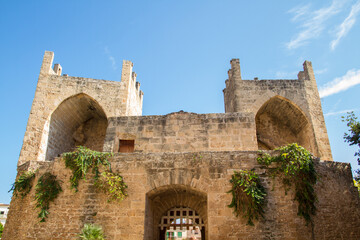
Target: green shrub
<point>91,232</point>
<point>1,229</point>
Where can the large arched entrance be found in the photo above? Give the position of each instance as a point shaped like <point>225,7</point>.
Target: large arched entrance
<point>174,211</point>
<point>280,122</point>
<point>78,120</point>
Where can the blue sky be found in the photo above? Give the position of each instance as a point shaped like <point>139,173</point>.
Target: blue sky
<point>181,52</point>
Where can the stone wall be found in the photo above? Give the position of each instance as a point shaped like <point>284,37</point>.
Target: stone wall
<point>184,132</point>
<point>160,181</point>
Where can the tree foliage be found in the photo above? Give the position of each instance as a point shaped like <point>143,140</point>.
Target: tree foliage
<point>353,135</point>
<point>295,166</point>
<point>248,195</point>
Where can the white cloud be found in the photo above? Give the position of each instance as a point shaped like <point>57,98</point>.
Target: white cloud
<point>312,23</point>
<point>111,58</point>
<point>338,112</point>
<point>344,28</point>
<point>286,75</point>
<point>299,12</point>
<point>320,71</point>
<point>350,79</point>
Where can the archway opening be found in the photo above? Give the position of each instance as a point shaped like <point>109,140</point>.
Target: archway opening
<point>181,223</point>
<point>280,122</point>
<point>78,120</point>
<point>175,212</point>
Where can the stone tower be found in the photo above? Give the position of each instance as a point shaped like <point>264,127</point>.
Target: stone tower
<point>285,111</point>
<point>69,111</point>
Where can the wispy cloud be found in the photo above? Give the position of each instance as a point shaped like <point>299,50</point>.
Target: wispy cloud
<point>299,12</point>
<point>312,23</point>
<point>111,58</point>
<point>350,79</point>
<point>344,28</point>
<point>286,75</point>
<point>320,71</point>
<point>339,112</point>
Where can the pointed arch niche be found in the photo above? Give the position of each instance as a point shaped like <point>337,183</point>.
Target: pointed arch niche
<point>280,122</point>
<point>78,120</point>
<point>174,202</point>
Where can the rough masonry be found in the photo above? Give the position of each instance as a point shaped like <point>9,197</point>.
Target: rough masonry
<point>179,163</point>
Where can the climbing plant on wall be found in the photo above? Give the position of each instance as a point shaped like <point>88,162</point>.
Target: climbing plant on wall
<point>23,184</point>
<point>83,159</point>
<point>47,190</point>
<point>294,165</point>
<point>248,195</point>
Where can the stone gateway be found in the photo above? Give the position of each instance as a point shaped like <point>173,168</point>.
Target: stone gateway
<point>178,166</point>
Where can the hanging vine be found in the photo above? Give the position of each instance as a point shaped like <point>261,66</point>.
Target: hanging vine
<point>23,184</point>
<point>83,159</point>
<point>294,165</point>
<point>47,190</point>
<point>248,195</point>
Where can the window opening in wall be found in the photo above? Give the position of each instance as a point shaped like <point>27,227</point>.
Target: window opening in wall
<point>126,146</point>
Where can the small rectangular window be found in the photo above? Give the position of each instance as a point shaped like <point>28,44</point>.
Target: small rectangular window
<point>126,146</point>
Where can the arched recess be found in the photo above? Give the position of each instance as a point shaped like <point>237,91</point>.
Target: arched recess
<point>160,200</point>
<point>78,120</point>
<point>280,122</point>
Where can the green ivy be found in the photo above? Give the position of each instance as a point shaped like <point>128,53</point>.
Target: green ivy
<point>91,232</point>
<point>47,190</point>
<point>112,184</point>
<point>23,184</point>
<point>83,159</point>
<point>248,195</point>
<point>295,166</point>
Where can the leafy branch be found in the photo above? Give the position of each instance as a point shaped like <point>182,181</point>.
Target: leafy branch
<point>353,137</point>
